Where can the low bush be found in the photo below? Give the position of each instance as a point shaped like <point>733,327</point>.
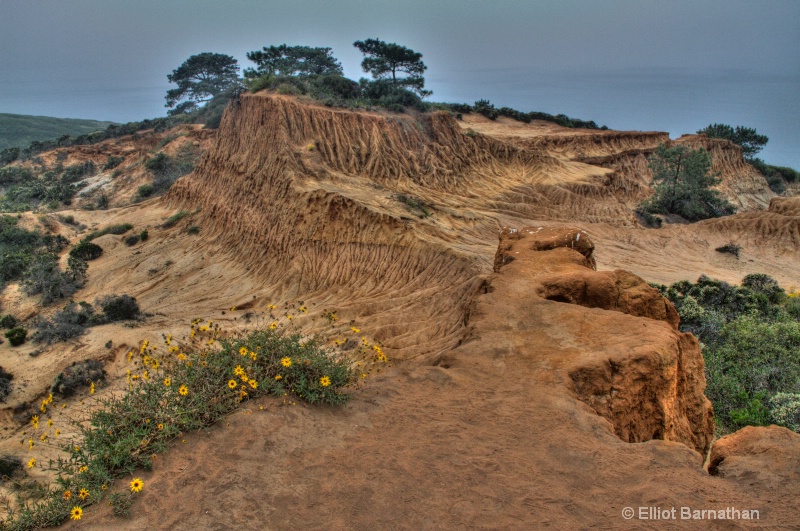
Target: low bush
<point>132,240</point>
<point>5,390</point>
<point>778,177</point>
<point>70,322</point>
<point>86,250</point>
<point>145,190</point>
<point>78,375</point>
<point>10,465</point>
<point>113,162</point>
<point>414,204</point>
<point>44,277</point>
<point>118,308</point>
<point>16,336</point>
<point>647,219</point>
<point>785,410</point>
<point>174,219</point>
<point>119,228</point>
<point>730,248</point>
<point>8,321</point>
<point>166,170</point>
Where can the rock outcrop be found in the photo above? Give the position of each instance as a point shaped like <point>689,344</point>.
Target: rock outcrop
<point>649,385</point>
<point>762,457</point>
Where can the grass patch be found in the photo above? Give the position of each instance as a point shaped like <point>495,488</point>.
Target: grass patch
<point>415,205</point>
<point>174,219</point>
<point>119,228</point>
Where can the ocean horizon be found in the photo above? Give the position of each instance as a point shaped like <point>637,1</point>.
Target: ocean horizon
<point>674,100</point>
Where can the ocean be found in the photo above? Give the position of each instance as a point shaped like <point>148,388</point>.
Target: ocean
<point>675,100</point>
<point>678,101</point>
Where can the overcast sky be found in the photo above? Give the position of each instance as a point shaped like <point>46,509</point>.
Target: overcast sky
<point>609,60</point>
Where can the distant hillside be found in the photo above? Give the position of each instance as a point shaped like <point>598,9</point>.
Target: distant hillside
<point>19,130</point>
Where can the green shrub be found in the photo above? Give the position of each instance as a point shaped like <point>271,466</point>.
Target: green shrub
<point>8,321</point>
<point>102,202</point>
<point>730,248</point>
<point>414,204</point>
<point>132,240</point>
<point>44,277</point>
<point>86,250</point>
<point>174,219</point>
<point>5,390</point>
<point>750,336</point>
<point>113,162</point>
<point>785,410</point>
<point>15,175</point>
<point>194,229</point>
<point>485,108</point>
<point>761,283</point>
<point>9,466</point>
<point>158,163</point>
<point>70,322</point>
<point>79,374</point>
<point>166,170</point>
<point>16,336</point>
<point>119,307</point>
<point>144,235</point>
<point>77,172</point>
<point>118,229</point>
<point>9,155</point>
<point>145,190</point>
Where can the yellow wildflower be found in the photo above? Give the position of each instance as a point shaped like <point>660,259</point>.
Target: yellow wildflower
<point>167,382</point>
<point>76,513</point>
<point>286,362</point>
<point>32,463</point>
<point>232,384</point>
<point>183,390</point>
<point>137,485</point>
<point>324,381</point>
<point>83,494</point>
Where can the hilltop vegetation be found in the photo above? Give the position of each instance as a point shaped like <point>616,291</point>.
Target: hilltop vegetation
<point>18,130</point>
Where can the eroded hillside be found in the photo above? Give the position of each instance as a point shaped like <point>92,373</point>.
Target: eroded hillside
<point>528,387</point>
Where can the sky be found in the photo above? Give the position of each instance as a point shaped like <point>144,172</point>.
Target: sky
<point>673,65</point>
